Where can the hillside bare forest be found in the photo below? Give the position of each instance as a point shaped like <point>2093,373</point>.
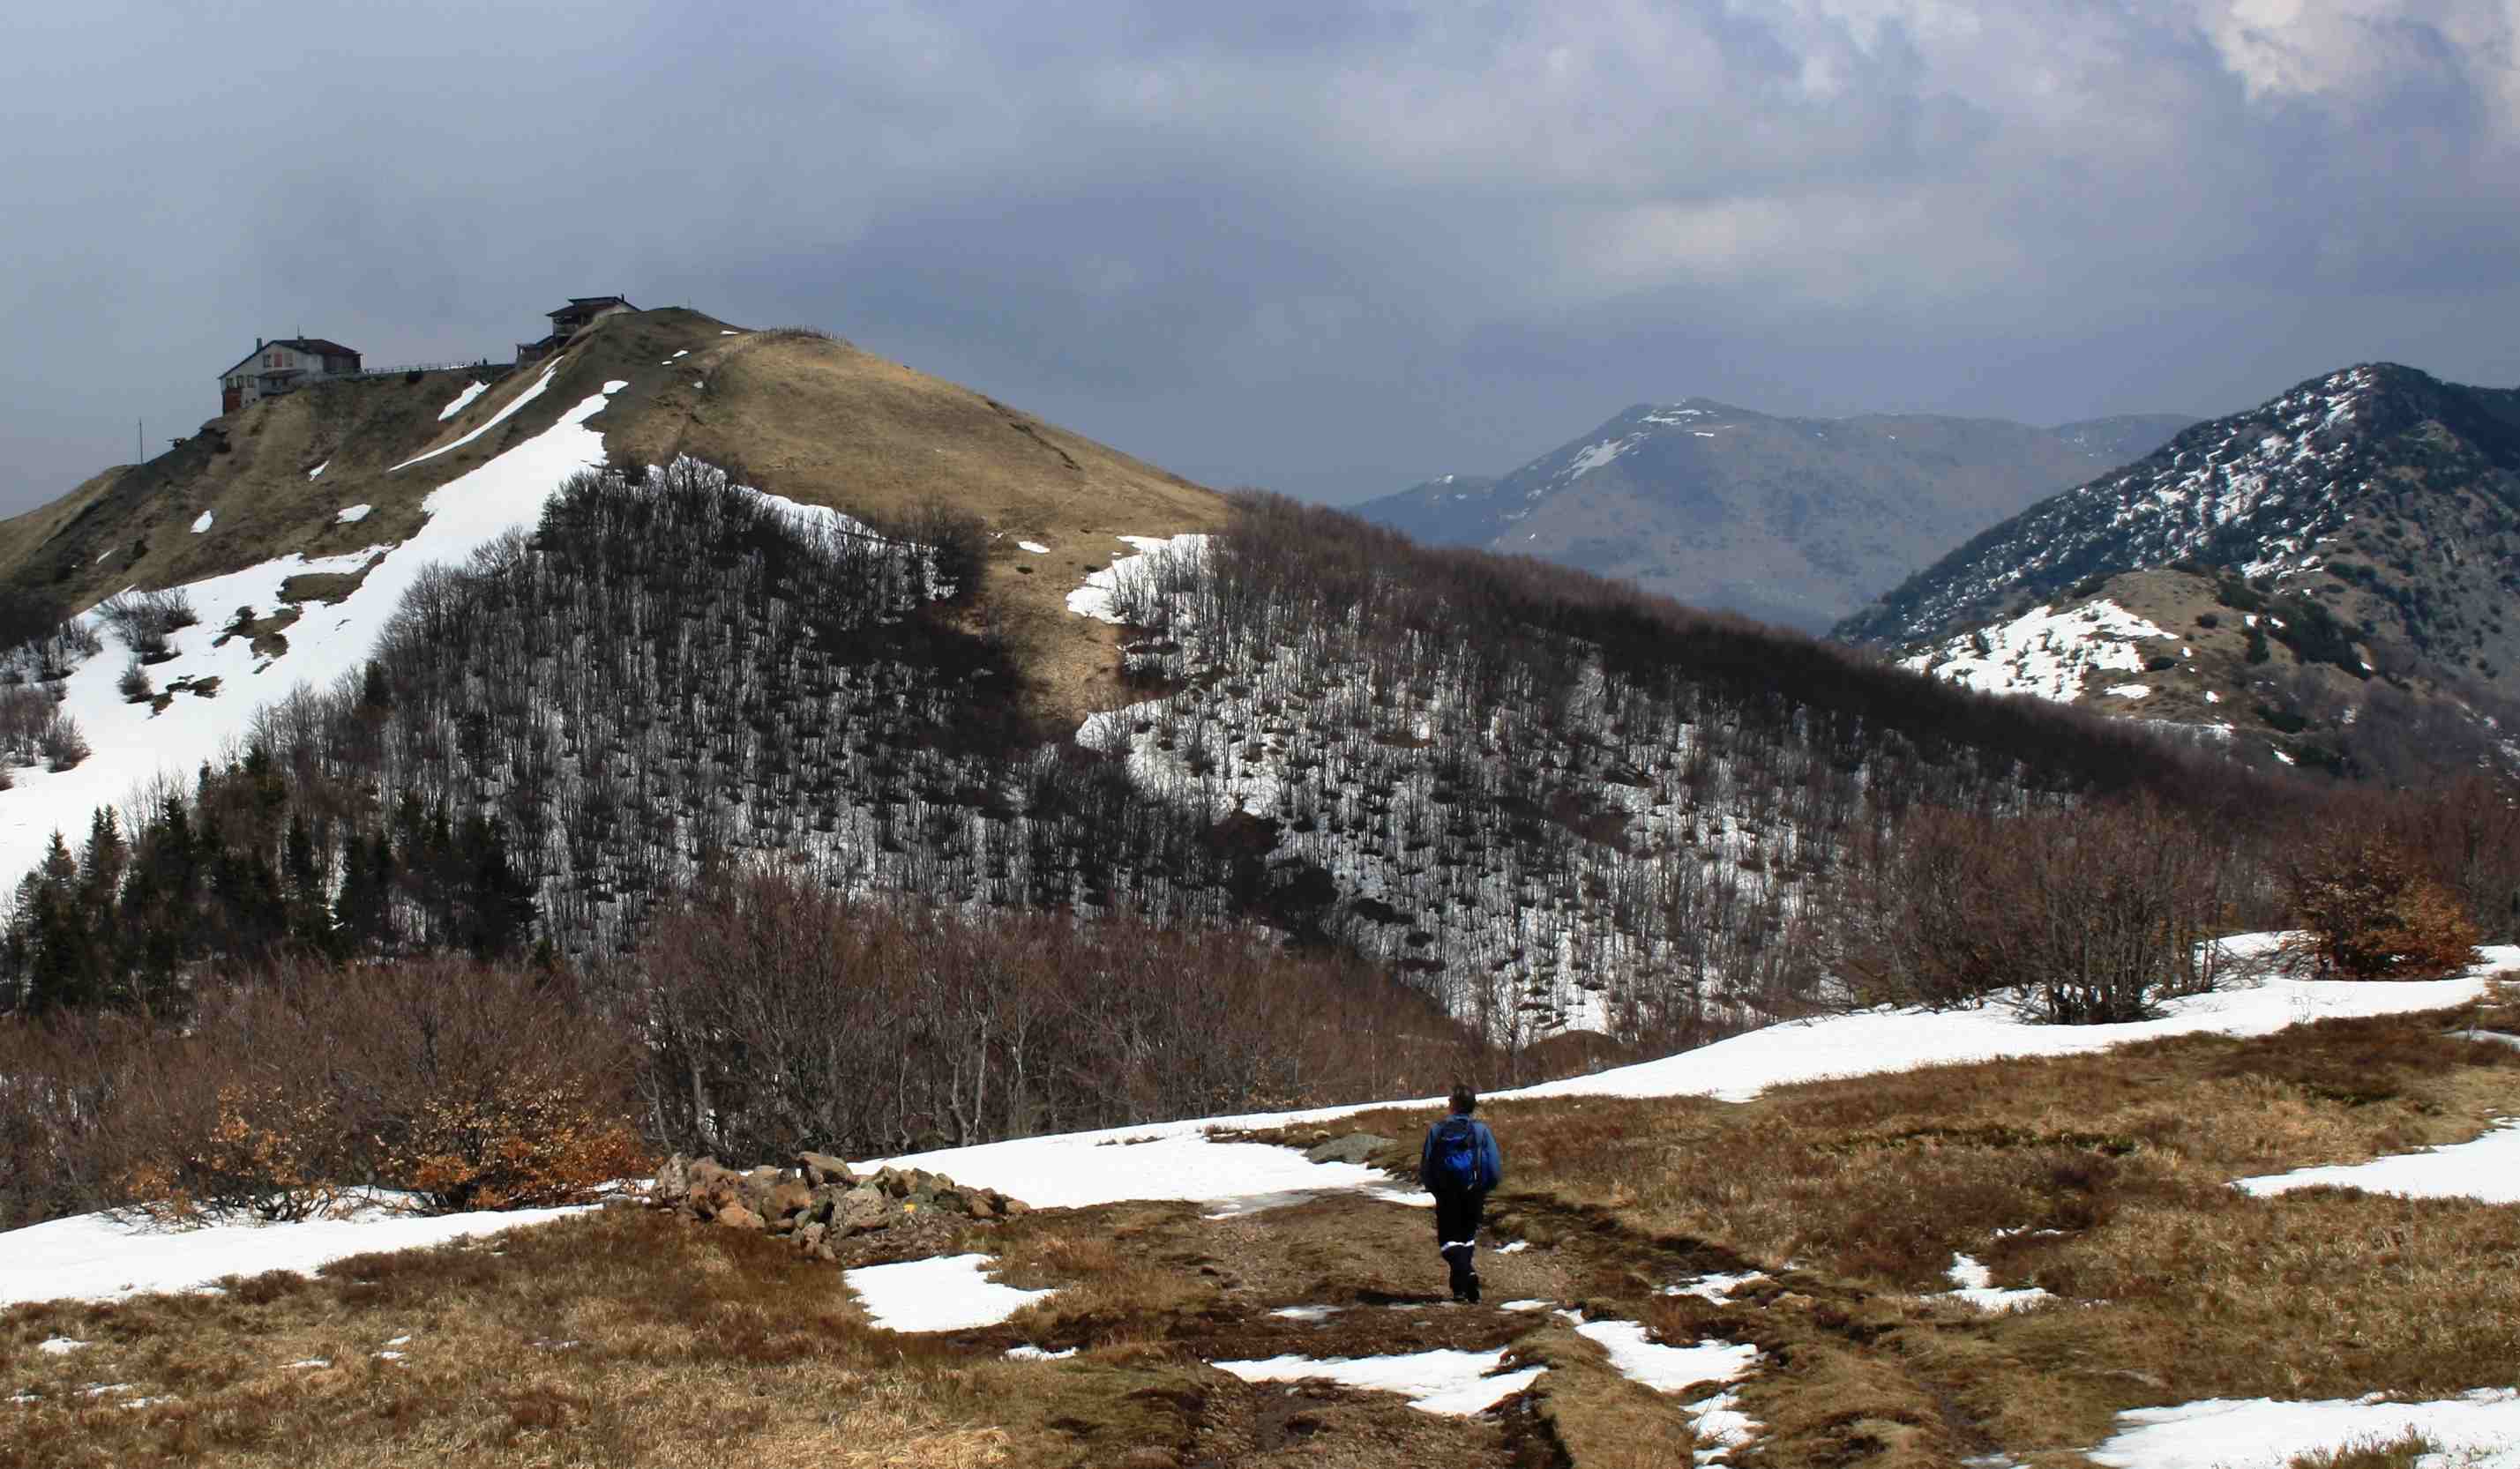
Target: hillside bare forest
<point>750,786</point>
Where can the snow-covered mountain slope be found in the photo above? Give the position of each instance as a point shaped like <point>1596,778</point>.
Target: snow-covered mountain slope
<point>2387,497</point>
<point>1790,520</point>
<point>216,676</point>
<point>317,511</point>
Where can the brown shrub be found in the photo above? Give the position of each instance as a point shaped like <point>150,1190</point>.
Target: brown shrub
<point>2373,910</point>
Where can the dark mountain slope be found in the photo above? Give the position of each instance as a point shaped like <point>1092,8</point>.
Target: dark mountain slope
<point>2387,497</point>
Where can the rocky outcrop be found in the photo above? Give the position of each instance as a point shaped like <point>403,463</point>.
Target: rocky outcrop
<point>818,1200</point>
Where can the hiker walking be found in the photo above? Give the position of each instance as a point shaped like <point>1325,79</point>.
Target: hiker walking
<point>1458,1164</point>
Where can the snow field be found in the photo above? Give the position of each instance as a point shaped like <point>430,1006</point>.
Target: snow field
<point>2480,1430</point>
<point>1451,1383</point>
<point>2047,653</point>
<point>132,742</point>
<point>463,400</point>
<point>941,1293</point>
<point>506,411</point>
<point>2486,1169</point>
<point>1096,599</point>
<point>105,1257</point>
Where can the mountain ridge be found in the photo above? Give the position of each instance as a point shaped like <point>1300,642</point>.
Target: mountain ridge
<point>1787,520</point>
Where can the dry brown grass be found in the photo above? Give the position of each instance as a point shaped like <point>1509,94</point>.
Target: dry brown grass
<point>696,1344</point>
<point>819,422</point>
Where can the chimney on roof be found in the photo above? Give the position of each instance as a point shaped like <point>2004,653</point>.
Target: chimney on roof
<point>258,343</point>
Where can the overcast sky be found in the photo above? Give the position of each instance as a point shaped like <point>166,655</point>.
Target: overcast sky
<point>1327,249</point>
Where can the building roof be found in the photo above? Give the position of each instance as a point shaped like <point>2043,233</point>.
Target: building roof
<point>317,345</point>
<point>585,305</point>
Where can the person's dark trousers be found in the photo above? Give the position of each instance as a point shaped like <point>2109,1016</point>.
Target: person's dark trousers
<point>1456,1235</point>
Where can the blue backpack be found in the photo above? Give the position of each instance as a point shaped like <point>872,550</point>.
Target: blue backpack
<point>1457,1155</point>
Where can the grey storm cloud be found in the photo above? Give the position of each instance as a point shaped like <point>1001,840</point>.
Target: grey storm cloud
<point>1329,249</point>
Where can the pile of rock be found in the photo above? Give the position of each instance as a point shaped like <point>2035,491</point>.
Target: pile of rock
<point>817,1200</point>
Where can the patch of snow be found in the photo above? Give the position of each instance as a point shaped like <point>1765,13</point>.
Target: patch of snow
<point>2212,697</point>
<point>1451,1383</point>
<point>1515,1248</point>
<point>60,1345</point>
<point>2044,651</point>
<point>1307,1313</point>
<point>943,1293</point>
<point>685,352</point>
<point>1030,1353</point>
<point>1603,453</point>
<point>1975,1283</point>
<point>1531,1305</point>
<point>464,399</point>
<point>2480,1430</point>
<point>730,333</point>
<point>2486,1169</point>
<point>318,471</point>
<point>1718,1426</point>
<point>505,412</point>
<point>1668,1369</point>
<point>352,515</point>
<point>200,522</point>
<point>2130,691</point>
<point>1035,547</point>
<point>1714,1287</point>
<point>2283,757</point>
<point>105,1257</point>
<point>1094,598</point>
<point>310,1361</point>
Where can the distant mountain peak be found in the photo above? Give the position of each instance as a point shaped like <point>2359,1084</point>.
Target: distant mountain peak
<point>2377,493</point>
<point>1787,519</point>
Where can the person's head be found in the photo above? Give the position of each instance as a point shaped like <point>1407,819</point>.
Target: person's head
<point>1464,1101</point>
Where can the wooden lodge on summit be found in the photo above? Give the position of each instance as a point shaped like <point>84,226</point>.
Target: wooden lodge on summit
<point>581,312</point>
<point>282,365</point>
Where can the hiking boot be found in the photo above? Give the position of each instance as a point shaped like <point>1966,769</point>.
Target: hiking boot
<point>1470,1292</point>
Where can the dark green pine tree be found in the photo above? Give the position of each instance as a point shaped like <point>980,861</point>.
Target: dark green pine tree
<point>495,909</point>
<point>363,911</point>
<point>309,916</point>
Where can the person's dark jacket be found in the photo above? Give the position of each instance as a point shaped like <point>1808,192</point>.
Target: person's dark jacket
<point>1490,1162</point>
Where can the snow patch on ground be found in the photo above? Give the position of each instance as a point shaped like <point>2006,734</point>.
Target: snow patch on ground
<point>1096,599</point>
<point>505,412</point>
<point>1306,1312</point>
<point>1714,1287</point>
<point>200,522</point>
<point>1975,1283</point>
<point>318,471</point>
<point>2480,1430</point>
<point>105,1257</point>
<point>2130,691</point>
<point>463,400</point>
<point>1035,547</point>
<point>1668,1369</point>
<point>352,515</point>
<point>943,1293</point>
<point>2486,1169</point>
<point>1077,1169</point>
<point>1455,1384</point>
<point>2044,651</point>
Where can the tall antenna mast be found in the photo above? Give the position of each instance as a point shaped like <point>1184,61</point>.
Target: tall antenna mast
<point>138,454</point>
